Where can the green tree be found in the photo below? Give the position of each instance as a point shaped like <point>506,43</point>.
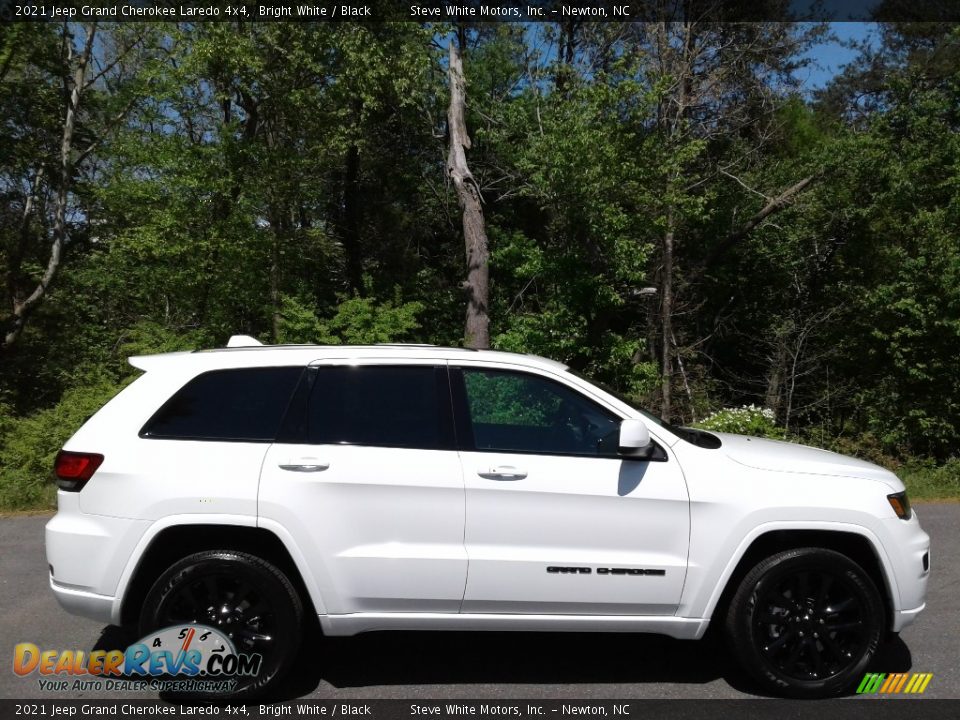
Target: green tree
<point>68,87</point>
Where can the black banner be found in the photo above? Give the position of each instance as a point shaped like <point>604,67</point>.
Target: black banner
<point>863,708</point>
<point>480,10</point>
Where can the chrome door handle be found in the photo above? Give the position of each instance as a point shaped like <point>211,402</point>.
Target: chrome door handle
<point>315,467</point>
<point>502,472</point>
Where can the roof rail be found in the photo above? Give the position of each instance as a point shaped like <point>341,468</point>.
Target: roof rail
<point>245,342</point>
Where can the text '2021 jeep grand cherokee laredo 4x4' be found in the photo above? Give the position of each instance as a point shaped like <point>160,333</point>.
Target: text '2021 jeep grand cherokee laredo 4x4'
<point>415,487</point>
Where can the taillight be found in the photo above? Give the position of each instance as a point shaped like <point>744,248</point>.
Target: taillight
<point>73,469</point>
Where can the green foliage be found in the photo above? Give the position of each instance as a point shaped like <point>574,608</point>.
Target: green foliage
<point>288,181</point>
<point>298,323</point>
<point>362,321</point>
<point>357,321</point>
<point>150,338</point>
<point>565,278</point>
<point>28,445</point>
<point>864,446</point>
<point>927,481</point>
<point>509,400</point>
<point>747,420</point>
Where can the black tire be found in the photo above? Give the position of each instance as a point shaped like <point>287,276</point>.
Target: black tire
<point>806,623</point>
<point>204,588</point>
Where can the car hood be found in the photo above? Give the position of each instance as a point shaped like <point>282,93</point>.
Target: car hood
<point>776,455</point>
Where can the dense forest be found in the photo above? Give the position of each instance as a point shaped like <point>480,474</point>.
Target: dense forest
<point>659,205</point>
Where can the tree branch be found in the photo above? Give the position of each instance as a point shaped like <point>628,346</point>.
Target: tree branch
<point>21,310</point>
<point>774,205</point>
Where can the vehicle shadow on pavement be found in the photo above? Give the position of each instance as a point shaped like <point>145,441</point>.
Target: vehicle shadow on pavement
<point>115,638</point>
<point>525,658</point>
<point>514,658</point>
<point>894,657</point>
<point>466,658</point>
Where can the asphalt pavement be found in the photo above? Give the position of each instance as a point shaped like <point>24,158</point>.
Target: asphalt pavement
<point>447,665</point>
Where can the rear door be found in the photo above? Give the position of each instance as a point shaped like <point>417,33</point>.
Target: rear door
<point>556,521</point>
<point>366,476</point>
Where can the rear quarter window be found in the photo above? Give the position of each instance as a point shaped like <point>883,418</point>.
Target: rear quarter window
<point>244,404</point>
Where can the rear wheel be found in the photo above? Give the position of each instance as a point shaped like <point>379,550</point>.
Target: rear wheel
<point>806,622</point>
<point>242,596</point>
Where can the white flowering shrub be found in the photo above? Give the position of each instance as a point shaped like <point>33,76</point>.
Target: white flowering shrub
<point>746,420</point>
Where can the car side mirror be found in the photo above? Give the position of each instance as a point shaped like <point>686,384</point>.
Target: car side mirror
<point>634,439</point>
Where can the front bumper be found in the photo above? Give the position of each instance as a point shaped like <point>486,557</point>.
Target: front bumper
<point>906,618</point>
<point>908,548</point>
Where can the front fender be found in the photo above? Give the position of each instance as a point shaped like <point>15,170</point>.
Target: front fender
<point>702,601</point>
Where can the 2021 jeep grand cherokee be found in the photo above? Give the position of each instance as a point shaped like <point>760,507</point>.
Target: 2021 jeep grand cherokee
<point>416,487</point>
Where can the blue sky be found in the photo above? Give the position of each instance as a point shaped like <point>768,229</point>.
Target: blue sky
<point>830,56</point>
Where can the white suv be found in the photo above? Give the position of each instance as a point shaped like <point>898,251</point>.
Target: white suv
<point>399,487</point>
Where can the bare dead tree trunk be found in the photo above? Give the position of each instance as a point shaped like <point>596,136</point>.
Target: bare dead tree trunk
<point>279,230</point>
<point>672,119</point>
<point>651,331</point>
<point>567,52</point>
<point>15,261</point>
<point>775,375</point>
<point>666,321</point>
<point>74,86</point>
<point>351,220</point>
<point>477,284</point>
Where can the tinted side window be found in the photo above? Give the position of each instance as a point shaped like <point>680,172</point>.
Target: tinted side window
<point>517,412</point>
<point>386,406</point>
<point>243,404</point>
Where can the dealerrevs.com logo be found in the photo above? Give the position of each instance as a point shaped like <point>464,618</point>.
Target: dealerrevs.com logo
<point>182,658</point>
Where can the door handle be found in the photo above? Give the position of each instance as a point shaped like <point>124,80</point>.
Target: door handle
<point>305,467</point>
<point>502,472</point>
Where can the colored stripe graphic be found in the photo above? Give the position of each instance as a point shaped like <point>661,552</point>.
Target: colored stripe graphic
<point>918,683</point>
<point>871,682</point>
<point>914,683</point>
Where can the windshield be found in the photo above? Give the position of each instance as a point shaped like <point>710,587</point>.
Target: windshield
<point>701,438</point>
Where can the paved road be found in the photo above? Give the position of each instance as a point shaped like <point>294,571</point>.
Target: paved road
<point>488,665</point>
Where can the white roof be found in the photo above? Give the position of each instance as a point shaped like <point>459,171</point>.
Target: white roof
<point>243,353</point>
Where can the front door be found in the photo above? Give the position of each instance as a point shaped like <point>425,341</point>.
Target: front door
<point>556,521</point>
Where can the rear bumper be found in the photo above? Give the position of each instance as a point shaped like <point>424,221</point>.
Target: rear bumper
<point>87,555</point>
<point>77,601</point>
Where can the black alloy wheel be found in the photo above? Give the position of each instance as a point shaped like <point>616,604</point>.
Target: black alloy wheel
<point>242,596</point>
<point>806,622</point>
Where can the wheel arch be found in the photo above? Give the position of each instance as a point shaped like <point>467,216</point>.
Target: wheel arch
<point>165,545</point>
<point>853,541</point>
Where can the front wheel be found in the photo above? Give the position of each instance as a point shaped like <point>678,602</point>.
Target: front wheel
<point>242,597</point>
<point>806,623</point>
